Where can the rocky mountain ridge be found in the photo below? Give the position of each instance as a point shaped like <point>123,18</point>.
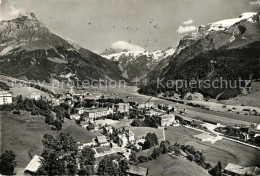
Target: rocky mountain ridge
<point>29,50</point>
<point>227,49</point>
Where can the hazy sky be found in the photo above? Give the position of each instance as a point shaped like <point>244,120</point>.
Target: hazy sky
<point>138,24</point>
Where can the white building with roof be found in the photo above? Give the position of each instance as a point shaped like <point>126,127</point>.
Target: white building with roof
<point>75,117</point>
<point>234,169</point>
<point>6,97</point>
<point>155,112</point>
<point>204,137</point>
<point>80,110</point>
<point>136,170</point>
<point>94,113</point>
<point>36,96</point>
<point>146,105</point>
<point>102,140</point>
<point>167,119</point>
<point>33,165</point>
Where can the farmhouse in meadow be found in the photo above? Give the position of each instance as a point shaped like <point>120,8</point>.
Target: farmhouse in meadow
<point>167,119</point>
<point>33,165</point>
<point>155,112</point>
<point>204,137</point>
<point>233,169</point>
<point>102,140</point>
<point>136,171</point>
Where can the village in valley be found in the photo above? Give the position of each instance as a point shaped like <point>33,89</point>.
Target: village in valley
<point>124,134</point>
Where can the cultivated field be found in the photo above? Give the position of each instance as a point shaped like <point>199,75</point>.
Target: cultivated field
<point>115,123</point>
<point>140,132</point>
<point>166,165</point>
<point>223,150</point>
<point>253,99</point>
<point>27,91</point>
<point>130,94</point>
<point>23,133</point>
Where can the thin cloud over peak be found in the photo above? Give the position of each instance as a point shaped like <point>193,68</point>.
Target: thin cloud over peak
<point>185,29</point>
<point>255,2</point>
<point>122,45</point>
<point>187,22</point>
<point>10,11</point>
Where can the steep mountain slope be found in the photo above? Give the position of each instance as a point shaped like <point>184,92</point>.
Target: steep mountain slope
<point>29,50</point>
<point>227,49</point>
<point>136,64</point>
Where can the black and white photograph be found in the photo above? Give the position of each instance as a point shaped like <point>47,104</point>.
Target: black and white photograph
<point>130,87</point>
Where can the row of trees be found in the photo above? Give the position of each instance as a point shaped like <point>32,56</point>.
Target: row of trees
<point>4,86</point>
<point>190,153</point>
<point>39,107</point>
<point>102,102</point>
<point>153,121</point>
<point>115,116</point>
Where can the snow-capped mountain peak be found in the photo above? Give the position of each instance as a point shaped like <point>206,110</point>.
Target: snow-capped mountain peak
<point>136,64</point>
<point>221,25</point>
<point>155,55</point>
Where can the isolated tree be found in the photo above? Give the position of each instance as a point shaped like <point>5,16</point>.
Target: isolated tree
<point>150,140</point>
<point>123,166</point>
<point>58,124</point>
<point>217,170</point>
<point>53,163</point>
<point>142,159</point>
<point>106,167</point>
<point>156,153</point>
<point>90,126</point>
<point>59,155</point>
<point>164,147</point>
<point>86,170</point>
<point>48,141</point>
<point>257,140</point>
<point>190,157</point>
<point>132,158</point>
<point>7,162</point>
<point>87,156</point>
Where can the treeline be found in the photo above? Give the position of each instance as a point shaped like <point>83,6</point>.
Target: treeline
<point>109,102</point>
<point>240,133</point>
<point>4,86</point>
<point>230,65</point>
<point>177,149</point>
<point>153,121</point>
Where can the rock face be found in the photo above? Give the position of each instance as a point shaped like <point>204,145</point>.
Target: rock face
<point>31,51</point>
<point>226,48</point>
<point>136,64</point>
<point>219,35</point>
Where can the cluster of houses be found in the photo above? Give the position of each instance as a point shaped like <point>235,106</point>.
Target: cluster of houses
<point>167,118</point>
<point>35,164</point>
<point>103,145</point>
